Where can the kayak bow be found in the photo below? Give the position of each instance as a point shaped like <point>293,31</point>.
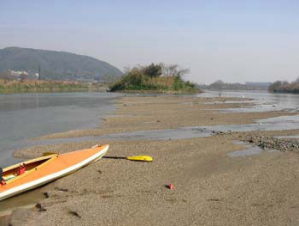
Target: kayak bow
<point>36,172</point>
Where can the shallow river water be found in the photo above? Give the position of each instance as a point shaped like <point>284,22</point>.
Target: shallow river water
<point>263,100</point>
<point>24,116</point>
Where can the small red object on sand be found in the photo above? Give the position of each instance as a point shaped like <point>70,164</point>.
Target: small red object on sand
<point>171,186</point>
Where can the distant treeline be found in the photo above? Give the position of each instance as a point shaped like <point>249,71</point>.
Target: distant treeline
<point>31,86</point>
<point>285,87</point>
<point>154,78</point>
<point>220,85</point>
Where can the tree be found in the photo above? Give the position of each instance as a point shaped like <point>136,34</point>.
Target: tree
<point>274,87</point>
<point>153,70</point>
<point>174,70</point>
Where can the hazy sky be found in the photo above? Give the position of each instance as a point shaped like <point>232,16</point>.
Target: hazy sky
<point>232,40</point>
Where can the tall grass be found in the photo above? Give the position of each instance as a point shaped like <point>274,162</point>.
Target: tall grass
<point>17,86</point>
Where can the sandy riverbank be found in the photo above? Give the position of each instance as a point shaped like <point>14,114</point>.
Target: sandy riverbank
<point>211,187</point>
<point>167,112</point>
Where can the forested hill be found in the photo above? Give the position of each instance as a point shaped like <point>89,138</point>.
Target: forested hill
<point>55,65</point>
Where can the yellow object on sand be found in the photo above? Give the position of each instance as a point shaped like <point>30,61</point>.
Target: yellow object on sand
<point>145,158</point>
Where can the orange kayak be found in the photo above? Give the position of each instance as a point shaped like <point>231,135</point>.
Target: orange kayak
<point>36,172</point>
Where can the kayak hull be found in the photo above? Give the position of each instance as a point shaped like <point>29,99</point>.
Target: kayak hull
<point>53,167</point>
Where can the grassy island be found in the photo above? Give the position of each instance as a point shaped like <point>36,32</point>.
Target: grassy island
<point>154,78</point>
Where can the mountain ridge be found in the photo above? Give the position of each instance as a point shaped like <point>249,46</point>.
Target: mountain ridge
<point>55,64</point>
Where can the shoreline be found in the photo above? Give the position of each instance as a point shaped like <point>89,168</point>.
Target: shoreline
<point>127,117</point>
<point>213,182</point>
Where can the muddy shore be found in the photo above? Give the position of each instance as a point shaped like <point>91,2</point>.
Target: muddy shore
<point>211,187</point>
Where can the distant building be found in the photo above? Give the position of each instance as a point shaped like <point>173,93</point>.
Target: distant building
<point>18,73</point>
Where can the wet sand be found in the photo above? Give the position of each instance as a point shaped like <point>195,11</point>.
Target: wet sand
<point>211,187</point>
<point>168,112</point>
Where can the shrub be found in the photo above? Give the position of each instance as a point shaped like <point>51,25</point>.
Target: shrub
<point>151,78</point>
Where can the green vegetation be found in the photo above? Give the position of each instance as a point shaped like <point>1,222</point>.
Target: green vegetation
<point>31,86</point>
<point>285,87</point>
<point>154,78</point>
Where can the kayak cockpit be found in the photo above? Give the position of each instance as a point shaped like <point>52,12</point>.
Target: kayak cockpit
<point>12,173</point>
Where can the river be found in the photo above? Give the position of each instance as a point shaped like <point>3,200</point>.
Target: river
<point>264,101</point>
<point>25,116</point>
